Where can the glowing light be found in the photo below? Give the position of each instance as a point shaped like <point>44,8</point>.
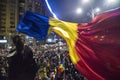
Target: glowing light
<point>49,40</point>
<point>97,10</point>
<point>3,41</point>
<point>111,2</point>
<point>79,11</point>
<point>85,1</point>
<point>54,15</point>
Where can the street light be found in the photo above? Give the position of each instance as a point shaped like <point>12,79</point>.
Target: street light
<point>79,10</point>
<point>111,2</point>
<point>85,1</point>
<point>93,11</point>
<point>97,10</point>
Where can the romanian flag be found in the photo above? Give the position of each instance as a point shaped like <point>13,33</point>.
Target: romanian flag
<point>94,47</point>
<point>61,68</point>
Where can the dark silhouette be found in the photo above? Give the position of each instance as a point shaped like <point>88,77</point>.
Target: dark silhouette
<point>21,65</point>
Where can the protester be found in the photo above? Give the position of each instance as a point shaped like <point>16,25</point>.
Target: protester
<point>21,63</point>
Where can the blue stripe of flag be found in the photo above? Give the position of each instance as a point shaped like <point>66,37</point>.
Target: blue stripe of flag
<point>34,24</point>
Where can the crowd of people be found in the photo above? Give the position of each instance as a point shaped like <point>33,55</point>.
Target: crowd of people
<point>46,62</point>
<point>3,64</point>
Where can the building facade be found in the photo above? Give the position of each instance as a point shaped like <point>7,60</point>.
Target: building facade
<point>8,17</point>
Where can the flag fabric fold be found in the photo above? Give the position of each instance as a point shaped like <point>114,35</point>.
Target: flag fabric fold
<point>34,25</point>
<point>94,47</point>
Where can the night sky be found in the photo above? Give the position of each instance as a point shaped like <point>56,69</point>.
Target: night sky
<point>66,9</point>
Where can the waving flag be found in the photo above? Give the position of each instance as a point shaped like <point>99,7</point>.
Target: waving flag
<point>94,47</point>
<point>61,68</point>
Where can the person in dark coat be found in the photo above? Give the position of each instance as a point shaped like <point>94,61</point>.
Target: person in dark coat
<point>21,64</point>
